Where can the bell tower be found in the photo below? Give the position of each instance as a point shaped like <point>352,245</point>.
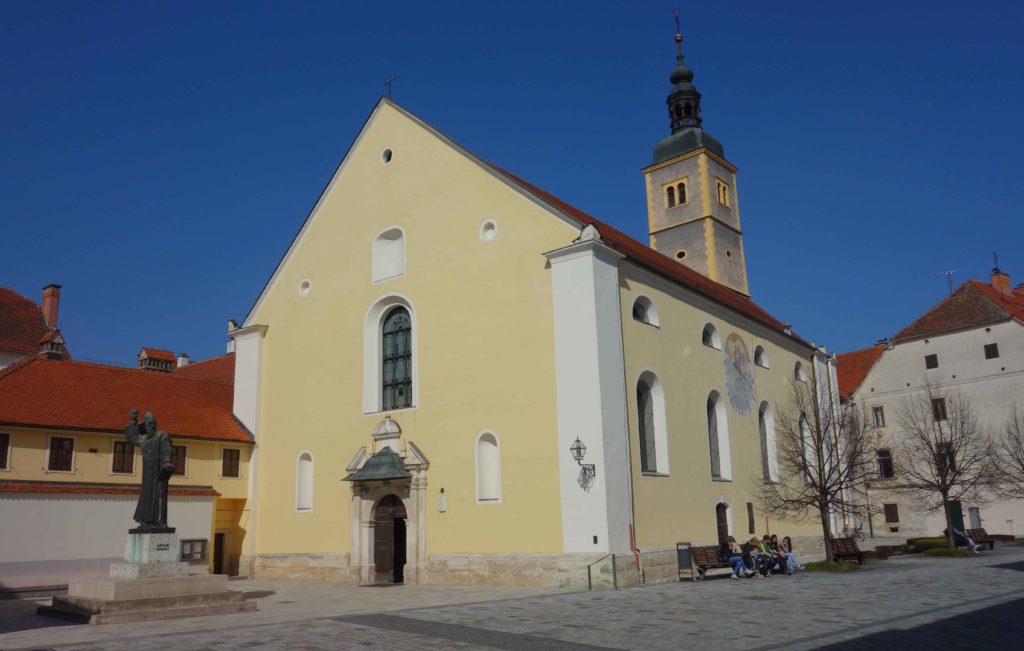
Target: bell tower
<point>693,210</point>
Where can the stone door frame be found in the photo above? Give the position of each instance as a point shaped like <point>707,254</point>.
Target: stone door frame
<point>365,496</point>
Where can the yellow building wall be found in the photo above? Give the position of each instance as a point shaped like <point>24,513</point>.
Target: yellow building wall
<point>681,506</point>
<point>30,450</point>
<point>484,331</point>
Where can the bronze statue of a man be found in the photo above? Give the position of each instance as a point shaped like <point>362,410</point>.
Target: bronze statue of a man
<point>157,468</point>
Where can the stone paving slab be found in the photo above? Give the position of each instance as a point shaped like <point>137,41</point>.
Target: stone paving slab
<point>906,603</point>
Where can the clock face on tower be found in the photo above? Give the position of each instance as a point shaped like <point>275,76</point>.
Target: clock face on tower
<point>739,374</point>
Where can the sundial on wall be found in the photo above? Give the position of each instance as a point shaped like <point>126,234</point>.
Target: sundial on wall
<point>739,374</point>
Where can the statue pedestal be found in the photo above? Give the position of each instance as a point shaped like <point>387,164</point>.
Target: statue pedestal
<point>152,584</point>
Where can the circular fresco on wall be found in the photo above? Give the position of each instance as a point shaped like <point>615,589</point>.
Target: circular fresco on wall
<point>739,374</point>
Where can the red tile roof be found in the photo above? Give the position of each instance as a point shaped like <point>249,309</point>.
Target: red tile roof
<point>91,488</point>
<point>973,303</point>
<point>217,368</point>
<point>84,396</point>
<point>658,262</point>
<point>21,323</point>
<point>158,353</point>
<point>853,367</point>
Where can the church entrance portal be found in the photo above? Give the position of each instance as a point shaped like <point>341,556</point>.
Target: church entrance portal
<point>389,540</point>
<point>722,518</point>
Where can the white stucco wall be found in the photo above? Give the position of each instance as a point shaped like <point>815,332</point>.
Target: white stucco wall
<point>990,386</point>
<point>48,537</point>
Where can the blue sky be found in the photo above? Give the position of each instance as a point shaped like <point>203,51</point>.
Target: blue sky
<point>156,159</point>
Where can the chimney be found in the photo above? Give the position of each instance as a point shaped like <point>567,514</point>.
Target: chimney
<point>1001,281</point>
<point>232,326</point>
<point>183,359</point>
<point>51,304</point>
<point>155,359</point>
<point>51,346</point>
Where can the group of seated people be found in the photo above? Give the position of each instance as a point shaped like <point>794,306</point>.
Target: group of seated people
<point>756,558</point>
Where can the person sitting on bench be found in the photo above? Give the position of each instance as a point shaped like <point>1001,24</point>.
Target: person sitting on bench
<point>961,538</point>
<point>732,553</point>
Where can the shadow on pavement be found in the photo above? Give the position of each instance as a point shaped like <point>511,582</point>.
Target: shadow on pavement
<point>995,627</point>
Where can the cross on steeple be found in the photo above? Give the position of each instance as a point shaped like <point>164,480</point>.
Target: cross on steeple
<point>387,82</point>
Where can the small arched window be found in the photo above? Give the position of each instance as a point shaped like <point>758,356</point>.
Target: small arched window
<point>769,450</point>
<point>652,423</point>
<point>807,451</point>
<point>761,357</point>
<point>710,337</point>
<point>645,416</point>
<point>396,359</point>
<point>644,311</point>
<point>800,372</point>
<point>304,482</point>
<point>681,193</point>
<point>488,468</point>
<point>670,196</point>
<point>388,255</point>
<point>718,437</point>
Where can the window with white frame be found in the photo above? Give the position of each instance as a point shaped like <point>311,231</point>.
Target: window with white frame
<point>878,414</point>
<point>800,372</point>
<point>761,357</point>
<point>62,454</point>
<point>388,255</point>
<point>718,437</point>
<point>304,482</point>
<point>644,311</point>
<point>769,446</point>
<point>709,337</point>
<point>488,468</point>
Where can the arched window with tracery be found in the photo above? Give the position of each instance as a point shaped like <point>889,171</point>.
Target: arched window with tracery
<point>396,362</point>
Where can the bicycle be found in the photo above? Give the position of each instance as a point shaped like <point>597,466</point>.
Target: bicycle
<point>857,533</point>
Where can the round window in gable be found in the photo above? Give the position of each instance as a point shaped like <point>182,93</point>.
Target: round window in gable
<point>680,254</point>
<point>305,287</point>
<point>385,156</point>
<point>489,231</point>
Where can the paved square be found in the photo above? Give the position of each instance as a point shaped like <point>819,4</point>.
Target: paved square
<point>903,603</point>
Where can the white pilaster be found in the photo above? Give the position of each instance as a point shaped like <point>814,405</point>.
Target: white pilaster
<point>591,398</point>
<point>246,406</point>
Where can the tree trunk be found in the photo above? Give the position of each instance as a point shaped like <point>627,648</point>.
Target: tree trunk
<point>949,522</point>
<point>826,529</point>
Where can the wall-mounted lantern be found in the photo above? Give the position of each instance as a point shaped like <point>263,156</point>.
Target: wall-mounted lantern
<point>587,470</point>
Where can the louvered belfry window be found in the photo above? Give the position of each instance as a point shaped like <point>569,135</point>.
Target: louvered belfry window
<point>397,359</point>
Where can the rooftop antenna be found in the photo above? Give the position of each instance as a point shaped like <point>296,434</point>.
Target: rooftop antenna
<point>387,82</point>
<point>948,273</point>
<point>995,258</point>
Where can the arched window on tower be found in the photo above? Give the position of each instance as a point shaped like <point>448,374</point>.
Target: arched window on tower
<point>670,197</point>
<point>688,110</point>
<point>396,360</point>
<point>681,193</point>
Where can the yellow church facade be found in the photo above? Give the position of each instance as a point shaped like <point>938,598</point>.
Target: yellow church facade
<point>452,376</point>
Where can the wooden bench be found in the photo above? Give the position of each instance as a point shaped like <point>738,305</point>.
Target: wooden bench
<point>705,558</point>
<point>981,537</point>
<point>846,548</point>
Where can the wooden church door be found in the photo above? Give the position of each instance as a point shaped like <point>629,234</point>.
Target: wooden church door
<point>389,540</point>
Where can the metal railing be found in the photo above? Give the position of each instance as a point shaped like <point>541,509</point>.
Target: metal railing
<point>615,575</point>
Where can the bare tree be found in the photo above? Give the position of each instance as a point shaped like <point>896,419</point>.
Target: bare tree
<point>944,455</point>
<point>824,453</point>
<point>1013,452</point>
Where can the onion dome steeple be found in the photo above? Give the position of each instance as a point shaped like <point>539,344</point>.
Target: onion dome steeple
<point>684,113</point>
